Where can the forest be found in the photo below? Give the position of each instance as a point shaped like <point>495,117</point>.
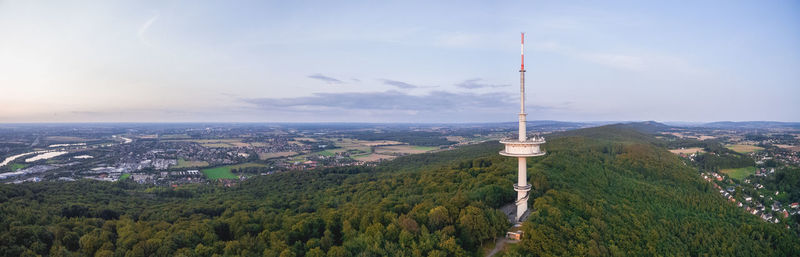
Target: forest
<point>611,191</point>
<point>606,191</point>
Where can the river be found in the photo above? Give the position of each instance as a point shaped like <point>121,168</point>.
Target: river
<point>14,157</point>
<point>46,155</point>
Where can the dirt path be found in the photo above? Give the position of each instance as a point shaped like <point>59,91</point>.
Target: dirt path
<point>500,245</point>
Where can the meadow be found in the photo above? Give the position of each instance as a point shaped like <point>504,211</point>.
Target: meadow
<point>740,173</point>
<point>264,156</point>
<point>225,171</point>
<point>744,148</point>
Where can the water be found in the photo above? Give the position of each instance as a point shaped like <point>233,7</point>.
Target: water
<point>12,158</point>
<point>43,156</point>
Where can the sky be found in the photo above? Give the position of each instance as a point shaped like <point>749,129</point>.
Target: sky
<point>398,61</point>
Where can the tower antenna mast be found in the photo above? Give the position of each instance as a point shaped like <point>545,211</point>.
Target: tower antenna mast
<point>522,147</point>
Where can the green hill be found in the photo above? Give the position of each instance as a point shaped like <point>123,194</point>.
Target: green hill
<point>602,191</point>
<point>612,191</point>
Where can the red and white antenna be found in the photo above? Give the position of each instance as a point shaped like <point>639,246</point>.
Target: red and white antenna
<point>522,52</point>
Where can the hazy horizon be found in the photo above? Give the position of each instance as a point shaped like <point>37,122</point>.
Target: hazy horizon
<point>397,62</point>
<point>595,122</point>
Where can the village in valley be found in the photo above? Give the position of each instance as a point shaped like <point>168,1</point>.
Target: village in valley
<point>747,166</point>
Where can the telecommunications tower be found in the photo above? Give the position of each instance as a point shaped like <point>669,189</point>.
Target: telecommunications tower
<point>522,147</point>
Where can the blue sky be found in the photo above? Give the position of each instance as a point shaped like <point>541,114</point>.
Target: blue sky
<point>397,61</point>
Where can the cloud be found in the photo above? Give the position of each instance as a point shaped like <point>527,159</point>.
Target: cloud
<point>394,106</point>
<point>388,100</point>
<point>399,84</point>
<point>143,30</point>
<point>326,79</point>
<point>476,83</point>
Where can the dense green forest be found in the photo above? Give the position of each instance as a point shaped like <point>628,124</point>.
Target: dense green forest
<point>599,192</point>
<point>610,191</point>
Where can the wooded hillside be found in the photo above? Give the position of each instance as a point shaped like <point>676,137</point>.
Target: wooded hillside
<point>600,191</point>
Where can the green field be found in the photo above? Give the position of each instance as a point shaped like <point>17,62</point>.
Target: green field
<point>744,148</point>
<point>327,153</point>
<point>189,164</point>
<point>16,166</point>
<point>740,173</point>
<point>424,148</point>
<point>124,176</point>
<point>225,171</point>
<point>360,155</point>
<point>174,136</point>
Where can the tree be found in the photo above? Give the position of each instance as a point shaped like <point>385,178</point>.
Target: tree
<point>474,226</point>
<point>338,251</point>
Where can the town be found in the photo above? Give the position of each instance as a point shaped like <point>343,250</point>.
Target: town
<point>171,155</point>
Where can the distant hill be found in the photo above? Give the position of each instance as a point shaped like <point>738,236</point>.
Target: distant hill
<point>648,127</point>
<point>751,124</point>
<point>544,125</point>
<point>620,132</point>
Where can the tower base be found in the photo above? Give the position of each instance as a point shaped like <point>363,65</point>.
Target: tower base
<point>510,210</point>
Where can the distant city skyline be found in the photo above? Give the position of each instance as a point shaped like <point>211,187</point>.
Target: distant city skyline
<point>402,62</point>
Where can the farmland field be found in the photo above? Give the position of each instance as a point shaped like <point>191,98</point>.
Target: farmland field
<point>403,149</point>
<point>348,144</point>
<point>264,156</point>
<point>740,173</point>
<point>455,138</point>
<point>225,171</point>
<point>215,143</point>
<point>327,153</point>
<point>189,164</point>
<point>424,148</point>
<point>174,136</point>
<point>790,147</point>
<point>744,148</point>
<point>64,139</point>
<point>373,157</point>
<point>687,150</point>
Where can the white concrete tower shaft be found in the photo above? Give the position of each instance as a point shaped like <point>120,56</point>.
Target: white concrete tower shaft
<point>522,187</point>
<point>522,147</point>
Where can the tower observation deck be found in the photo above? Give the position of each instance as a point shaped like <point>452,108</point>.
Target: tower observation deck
<point>522,147</point>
